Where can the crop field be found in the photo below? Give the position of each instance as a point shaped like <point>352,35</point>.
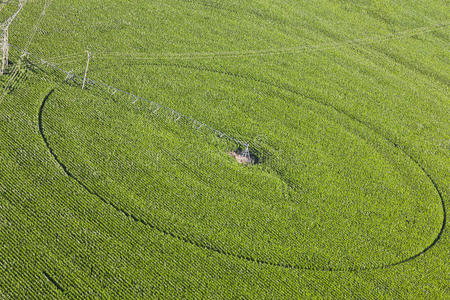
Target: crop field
<point>124,184</point>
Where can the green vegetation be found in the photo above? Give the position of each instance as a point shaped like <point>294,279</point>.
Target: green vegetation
<point>344,105</point>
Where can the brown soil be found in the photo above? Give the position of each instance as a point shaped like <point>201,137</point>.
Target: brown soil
<point>240,158</point>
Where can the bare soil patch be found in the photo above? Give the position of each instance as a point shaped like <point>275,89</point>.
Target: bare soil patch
<point>241,158</point>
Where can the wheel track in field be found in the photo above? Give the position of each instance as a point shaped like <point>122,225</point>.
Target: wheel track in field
<point>256,53</point>
<point>35,29</point>
<point>218,250</point>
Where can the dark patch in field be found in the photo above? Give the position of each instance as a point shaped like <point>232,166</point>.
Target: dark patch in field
<point>52,280</point>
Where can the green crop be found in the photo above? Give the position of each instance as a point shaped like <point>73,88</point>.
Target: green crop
<point>128,189</point>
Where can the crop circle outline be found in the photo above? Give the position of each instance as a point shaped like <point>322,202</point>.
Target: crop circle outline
<point>248,258</point>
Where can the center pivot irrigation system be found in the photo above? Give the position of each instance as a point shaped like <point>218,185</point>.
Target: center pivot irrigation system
<point>245,156</point>
<point>5,43</point>
<point>86,83</point>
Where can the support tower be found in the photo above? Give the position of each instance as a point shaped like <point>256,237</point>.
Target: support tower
<point>5,36</point>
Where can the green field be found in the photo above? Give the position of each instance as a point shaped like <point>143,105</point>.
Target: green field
<point>127,189</point>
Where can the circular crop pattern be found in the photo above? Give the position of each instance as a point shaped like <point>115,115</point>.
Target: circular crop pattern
<point>329,194</point>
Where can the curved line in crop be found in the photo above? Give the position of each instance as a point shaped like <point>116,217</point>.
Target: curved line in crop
<point>247,258</point>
